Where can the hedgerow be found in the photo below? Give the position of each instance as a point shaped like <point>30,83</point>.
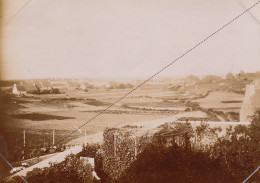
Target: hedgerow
<point>120,149</point>
<point>178,152</point>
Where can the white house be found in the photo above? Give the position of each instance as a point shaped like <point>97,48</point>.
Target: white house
<point>18,90</point>
<point>24,88</point>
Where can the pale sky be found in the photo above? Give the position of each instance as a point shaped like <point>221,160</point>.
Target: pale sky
<point>126,38</point>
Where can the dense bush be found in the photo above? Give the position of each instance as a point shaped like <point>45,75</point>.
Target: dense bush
<point>171,164</point>
<point>182,153</point>
<point>69,171</point>
<point>238,151</point>
<point>255,126</point>
<point>90,150</point>
<point>177,152</point>
<point>120,149</point>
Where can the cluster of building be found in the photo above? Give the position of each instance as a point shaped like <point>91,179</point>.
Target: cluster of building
<point>35,87</point>
<point>48,86</point>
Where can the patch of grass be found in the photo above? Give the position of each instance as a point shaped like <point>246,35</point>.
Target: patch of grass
<point>40,117</point>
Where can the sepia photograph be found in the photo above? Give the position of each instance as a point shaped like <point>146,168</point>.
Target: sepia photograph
<point>130,91</point>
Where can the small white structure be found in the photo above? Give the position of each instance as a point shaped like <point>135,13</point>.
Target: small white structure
<point>18,90</point>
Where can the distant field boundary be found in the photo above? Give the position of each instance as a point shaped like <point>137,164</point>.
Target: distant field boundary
<point>39,117</point>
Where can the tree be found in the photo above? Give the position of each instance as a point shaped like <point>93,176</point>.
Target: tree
<point>238,152</point>
<point>171,164</point>
<point>90,150</point>
<point>255,126</point>
<point>69,171</point>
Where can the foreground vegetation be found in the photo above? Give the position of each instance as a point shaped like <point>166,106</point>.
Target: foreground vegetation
<point>176,153</point>
<point>70,170</point>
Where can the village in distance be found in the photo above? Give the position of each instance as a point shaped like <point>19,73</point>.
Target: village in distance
<point>49,124</point>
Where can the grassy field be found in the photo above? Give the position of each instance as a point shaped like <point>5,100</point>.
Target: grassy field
<point>39,115</point>
<point>222,100</point>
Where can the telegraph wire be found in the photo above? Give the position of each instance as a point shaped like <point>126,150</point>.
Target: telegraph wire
<point>165,67</point>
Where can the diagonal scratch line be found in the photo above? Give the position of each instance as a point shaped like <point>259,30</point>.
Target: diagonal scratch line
<point>11,167</point>
<point>239,2</point>
<point>165,67</point>
<point>251,175</point>
<point>18,12</point>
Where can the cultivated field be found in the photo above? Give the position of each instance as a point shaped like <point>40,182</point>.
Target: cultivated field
<point>222,100</point>
<point>39,115</point>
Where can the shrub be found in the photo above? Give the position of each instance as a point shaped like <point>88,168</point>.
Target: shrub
<point>90,150</point>
<point>69,171</point>
<point>255,126</point>
<point>171,164</point>
<point>198,155</point>
<point>120,150</point>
